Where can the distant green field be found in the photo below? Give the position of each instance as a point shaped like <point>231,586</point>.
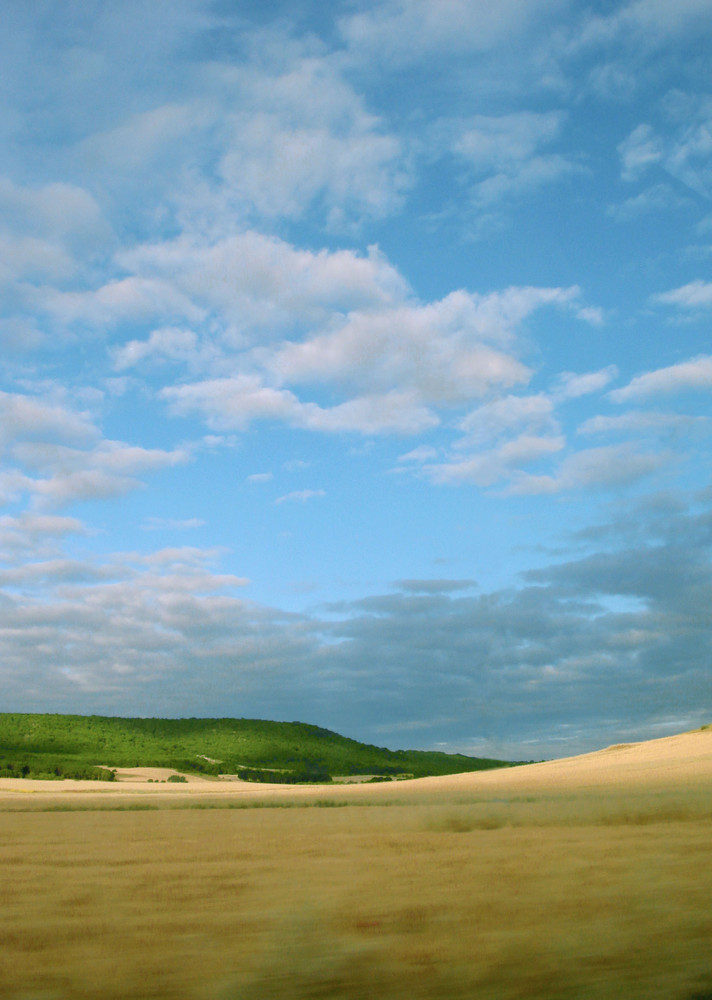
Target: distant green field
<point>75,746</point>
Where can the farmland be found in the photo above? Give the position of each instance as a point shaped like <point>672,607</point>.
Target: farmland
<point>587,878</point>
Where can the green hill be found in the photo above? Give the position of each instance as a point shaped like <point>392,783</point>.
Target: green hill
<point>64,746</point>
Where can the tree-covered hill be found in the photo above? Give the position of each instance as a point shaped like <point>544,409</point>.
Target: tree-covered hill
<point>77,746</point>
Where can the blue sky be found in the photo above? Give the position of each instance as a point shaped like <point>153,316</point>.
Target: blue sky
<point>357,366</point>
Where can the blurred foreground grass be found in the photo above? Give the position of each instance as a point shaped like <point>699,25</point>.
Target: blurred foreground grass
<point>603,894</point>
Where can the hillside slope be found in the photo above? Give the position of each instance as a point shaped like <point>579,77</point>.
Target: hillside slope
<point>73,746</point>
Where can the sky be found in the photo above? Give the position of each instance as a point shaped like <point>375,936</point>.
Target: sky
<point>357,366</point>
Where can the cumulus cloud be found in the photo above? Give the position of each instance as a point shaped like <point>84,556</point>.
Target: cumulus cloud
<point>132,300</point>
<point>28,418</point>
<point>275,318</point>
<point>657,198</point>
<point>505,153</point>
<point>259,286</point>
<point>403,33</point>
<point>303,138</point>
<point>533,414</point>
<point>611,467</point>
<point>233,403</point>
<point>695,295</point>
<point>503,436</point>
<point>639,28</point>
<point>493,465</point>
<point>571,386</point>
<point>30,535</point>
<point>169,343</point>
<point>447,352</point>
<point>57,455</point>
<point>59,214</point>
<point>687,375</point>
<point>436,350</point>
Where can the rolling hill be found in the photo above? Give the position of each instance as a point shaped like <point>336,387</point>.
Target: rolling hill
<point>78,746</point>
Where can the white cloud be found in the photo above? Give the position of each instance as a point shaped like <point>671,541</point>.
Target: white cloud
<point>289,136</point>
<point>658,198</point>
<point>423,453</point>
<point>59,213</point>
<point>77,486</point>
<point>638,421</point>
<point>394,412</point>
<point>31,536</point>
<point>26,418</point>
<point>65,475</point>
<point>281,172</point>
<point>170,343</point>
<point>510,414</point>
<point>300,496</point>
<point>258,286</point>
<point>684,151</point>
<point>571,386</point>
<point>233,403</point>
<point>401,33</point>
<point>436,350</point>
<point>48,236</point>
<point>489,467</point>
<point>604,468</point>
<point>20,334</point>
<point>447,352</point>
<point>112,456</point>
<point>494,143</point>
<point>693,374</point>
<point>642,26</point>
<point>131,299</point>
<point>696,295</point>
<point>343,320</point>
<point>26,258</point>
<point>399,361</point>
<point>57,455</point>
<point>639,151</point>
<point>504,154</point>
<point>507,433</point>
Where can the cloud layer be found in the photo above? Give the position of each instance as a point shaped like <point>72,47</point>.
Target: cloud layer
<point>299,301</point>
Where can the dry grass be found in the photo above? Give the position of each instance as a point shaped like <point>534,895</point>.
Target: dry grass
<point>537,896</point>
<point>589,880</point>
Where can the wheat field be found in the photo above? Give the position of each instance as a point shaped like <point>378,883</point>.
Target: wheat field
<point>583,879</point>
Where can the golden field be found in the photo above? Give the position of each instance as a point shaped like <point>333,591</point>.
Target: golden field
<point>584,878</point>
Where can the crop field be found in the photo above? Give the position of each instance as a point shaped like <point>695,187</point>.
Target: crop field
<point>487,888</point>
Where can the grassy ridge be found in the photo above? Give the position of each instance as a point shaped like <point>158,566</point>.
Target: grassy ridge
<point>73,745</point>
